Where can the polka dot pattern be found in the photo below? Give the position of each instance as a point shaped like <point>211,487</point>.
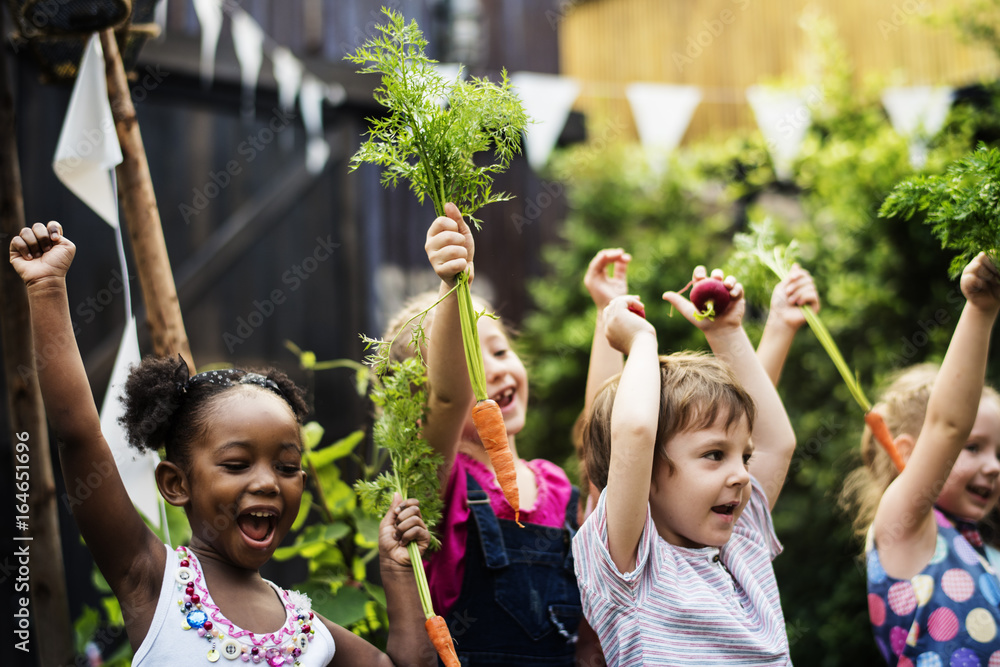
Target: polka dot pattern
<point>942,626</point>
<point>923,587</point>
<point>958,585</point>
<point>964,657</point>
<point>965,550</point>
<point>994,660</point>
<point>875,571</point>
<point>914,636</point>
<point>902,599</point>
<point>940,551</point>
<point>980,625</point>
<point>990,589</point>
<point>904,662</point>
<point>897,640</point>
<point>876,609</point>
<point>929,659</point>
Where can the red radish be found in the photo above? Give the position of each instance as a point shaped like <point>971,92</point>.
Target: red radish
<point>637,309</point>
<point>710,297</point>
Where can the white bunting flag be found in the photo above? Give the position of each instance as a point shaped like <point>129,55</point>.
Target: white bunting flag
<point>547,99</point>
<point>783,117</point>
<point>311,97</point>
<point>288,74</point>
<point>248,39</point>
<point>918,113</point>
<point>210,17</point>
<point>85,159</point>
<point>662,114</point>
<point>88,144</point>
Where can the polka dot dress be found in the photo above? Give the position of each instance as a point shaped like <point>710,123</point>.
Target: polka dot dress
<point>946,616</point>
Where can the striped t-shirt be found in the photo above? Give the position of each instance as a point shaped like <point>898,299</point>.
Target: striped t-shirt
<point>680,606</point>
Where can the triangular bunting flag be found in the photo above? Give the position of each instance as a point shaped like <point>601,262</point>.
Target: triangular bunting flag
<point>783,117</point>
<point>918,113</point>
<point>210,16</point>
<point>311,97</point>
<point>662,114</point>
<point>248,39</point>
<point>547,100</point>
<point>88,144</point>
<point>137,469</point>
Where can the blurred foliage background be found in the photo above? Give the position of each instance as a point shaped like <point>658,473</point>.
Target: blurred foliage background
<point>887,300</point>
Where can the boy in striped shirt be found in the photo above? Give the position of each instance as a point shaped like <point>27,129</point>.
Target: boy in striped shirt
<point>674,565</point>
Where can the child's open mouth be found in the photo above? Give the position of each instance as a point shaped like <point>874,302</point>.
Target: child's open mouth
<point>983,492</point>
<point>726,509</point>
<point>257,525</point>
<point>504,398</point>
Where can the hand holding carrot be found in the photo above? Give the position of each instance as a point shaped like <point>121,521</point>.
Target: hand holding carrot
<point>401,525</point>
<point>622,324</point>
<point>604,287</point>
<point>450,246</point>
<point>730,318</point>
<point>981,284</point>
<point>41,252</point>
<point>797,289</point>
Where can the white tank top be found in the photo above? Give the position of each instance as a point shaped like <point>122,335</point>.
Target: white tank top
<point>188,629</point>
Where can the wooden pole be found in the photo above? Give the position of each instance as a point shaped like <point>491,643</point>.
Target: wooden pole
<point>51,632</point>
<point>142,218</point>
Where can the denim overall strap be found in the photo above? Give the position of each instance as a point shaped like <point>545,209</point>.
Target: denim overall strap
<point>572,507</point>
<point>490,537</point>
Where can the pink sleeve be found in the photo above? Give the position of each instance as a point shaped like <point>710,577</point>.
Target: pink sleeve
<point>445,567</point>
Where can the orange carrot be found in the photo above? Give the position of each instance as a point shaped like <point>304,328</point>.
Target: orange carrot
<point>437,630</point>
<point>882,435</point>
<point>488,419</point>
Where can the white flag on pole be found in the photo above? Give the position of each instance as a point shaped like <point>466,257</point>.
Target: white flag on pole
<point>662,114</point>
<point>783,117</point>
<point>85,159</point>
<point>547,99</point>
<point>918,113</point>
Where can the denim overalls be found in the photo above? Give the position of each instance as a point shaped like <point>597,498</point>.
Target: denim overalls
<point>520,604</point>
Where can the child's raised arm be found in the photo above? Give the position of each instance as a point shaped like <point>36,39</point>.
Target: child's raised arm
<point>129,555</point>
<point>408,643</point>
<point>634,418</point>
<point>785,319</point>
<point>450,248</point>
<point>605,361</point>
<point>772,436</point>
<point>904,513</point>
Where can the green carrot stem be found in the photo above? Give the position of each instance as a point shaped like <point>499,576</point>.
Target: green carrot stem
<point>826,340</point>
<point>470,338</point>
<point>418,573</point>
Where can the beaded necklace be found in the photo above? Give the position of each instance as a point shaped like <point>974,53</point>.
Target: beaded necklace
<point>275,649</point>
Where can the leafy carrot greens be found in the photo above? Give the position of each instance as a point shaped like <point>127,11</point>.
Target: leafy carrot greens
<point>963,205</point>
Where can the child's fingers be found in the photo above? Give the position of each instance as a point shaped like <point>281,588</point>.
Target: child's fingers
<point>736,291</point>
<point>717,274</point>
<point>41,232</point>
<point>415,534</point>
<point>700,272</point>
<point>30,240</point>
<point>19,247</point>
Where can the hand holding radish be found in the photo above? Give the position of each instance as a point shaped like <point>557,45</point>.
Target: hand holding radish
<point>450,246</point>
<point>622,325</point>
<point>981,284</point>
<point>604,287</point>
<point>730,316</point>
<point>41,252</point>
<point>797,289</point>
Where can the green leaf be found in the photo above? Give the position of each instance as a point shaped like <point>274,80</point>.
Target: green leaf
<point>304,507</point>
<point>85,626</point>
<point>312,435</point>
<point>345,607</point>
<point>312,540</point>
<point>338,450</point>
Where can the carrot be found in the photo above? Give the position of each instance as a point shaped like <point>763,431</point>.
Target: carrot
<point>882,435</point>
<point>437,630</point>
<point>488,419</point>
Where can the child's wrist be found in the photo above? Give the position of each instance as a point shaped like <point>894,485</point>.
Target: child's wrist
<point>49,285</point>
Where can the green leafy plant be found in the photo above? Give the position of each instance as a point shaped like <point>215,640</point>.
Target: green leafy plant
<point>962,205</point>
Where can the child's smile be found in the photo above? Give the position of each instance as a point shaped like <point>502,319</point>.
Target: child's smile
<point>245,479</point>
<point>697,503</point>
<point>973,487</point>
